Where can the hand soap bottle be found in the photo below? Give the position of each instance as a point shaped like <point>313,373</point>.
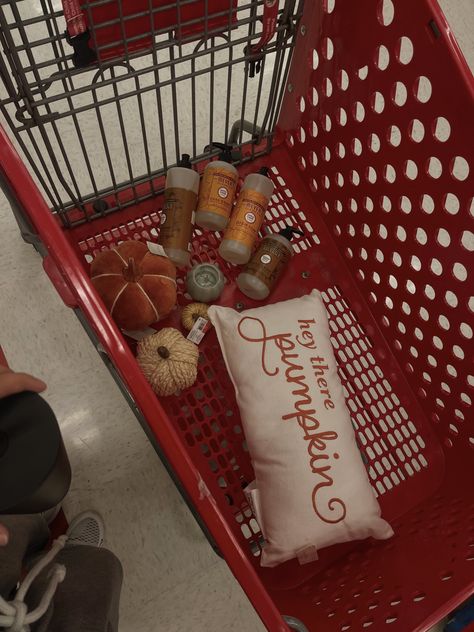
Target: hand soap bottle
<point>263,270</point>
<point>247,218</point>
<point>217,191</point>
<point>181,188</point>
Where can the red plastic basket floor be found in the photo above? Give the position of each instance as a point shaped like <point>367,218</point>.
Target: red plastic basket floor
<point>404,458</point>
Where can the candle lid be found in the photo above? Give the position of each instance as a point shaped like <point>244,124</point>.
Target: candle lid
<point>205,282</point>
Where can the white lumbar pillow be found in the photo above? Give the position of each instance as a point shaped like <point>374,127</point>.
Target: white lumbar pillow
<point>311,487</point>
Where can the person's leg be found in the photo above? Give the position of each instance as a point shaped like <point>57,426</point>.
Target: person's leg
<point>88,598</point>
<point>27,535</point>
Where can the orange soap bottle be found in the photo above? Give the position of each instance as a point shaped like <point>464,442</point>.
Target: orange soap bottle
<point>247,218</point>
<point>217,191</point>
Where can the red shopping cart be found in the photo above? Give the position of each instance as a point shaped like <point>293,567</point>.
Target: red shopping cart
<point>363,112</point>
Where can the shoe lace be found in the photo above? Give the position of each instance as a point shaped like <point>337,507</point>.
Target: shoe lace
<point>14,615</point>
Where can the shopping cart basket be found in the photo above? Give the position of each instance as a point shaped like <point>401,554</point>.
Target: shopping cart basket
<point>364,113</point>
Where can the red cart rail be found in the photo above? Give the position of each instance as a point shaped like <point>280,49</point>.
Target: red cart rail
<point>363,112</point>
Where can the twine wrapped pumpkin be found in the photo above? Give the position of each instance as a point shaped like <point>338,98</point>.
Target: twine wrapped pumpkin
<point>137,286</point>
<point>168,361</point>
<point>191,313</point>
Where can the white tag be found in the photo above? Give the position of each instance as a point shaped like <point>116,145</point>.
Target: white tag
<point>200,327</point>
<point>307,555</point>
<point>156,249</point>
<point>139,334</point>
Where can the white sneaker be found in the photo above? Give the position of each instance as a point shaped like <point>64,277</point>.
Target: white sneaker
<point>86,528</point>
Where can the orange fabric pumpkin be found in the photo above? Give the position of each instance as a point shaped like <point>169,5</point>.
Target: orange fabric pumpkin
<point>137,287</point>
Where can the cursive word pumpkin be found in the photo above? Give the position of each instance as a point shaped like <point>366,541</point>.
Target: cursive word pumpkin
<point>311,488</point>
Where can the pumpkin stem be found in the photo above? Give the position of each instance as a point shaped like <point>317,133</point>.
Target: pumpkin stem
<point>163,352</point>
<point>131,271</point>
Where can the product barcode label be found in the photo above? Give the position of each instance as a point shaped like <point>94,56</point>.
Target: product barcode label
<point>200,327</point>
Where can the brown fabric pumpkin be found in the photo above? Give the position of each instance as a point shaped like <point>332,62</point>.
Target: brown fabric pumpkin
<point>137,287</point>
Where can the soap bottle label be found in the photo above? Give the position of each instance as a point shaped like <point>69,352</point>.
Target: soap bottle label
<point>268,262</point>
<point>216,194</point>
<point>177,218</point>
<point>247,217</point>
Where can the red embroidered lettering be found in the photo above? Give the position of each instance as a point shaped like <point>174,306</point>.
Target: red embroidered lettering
<point>253,330</point>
